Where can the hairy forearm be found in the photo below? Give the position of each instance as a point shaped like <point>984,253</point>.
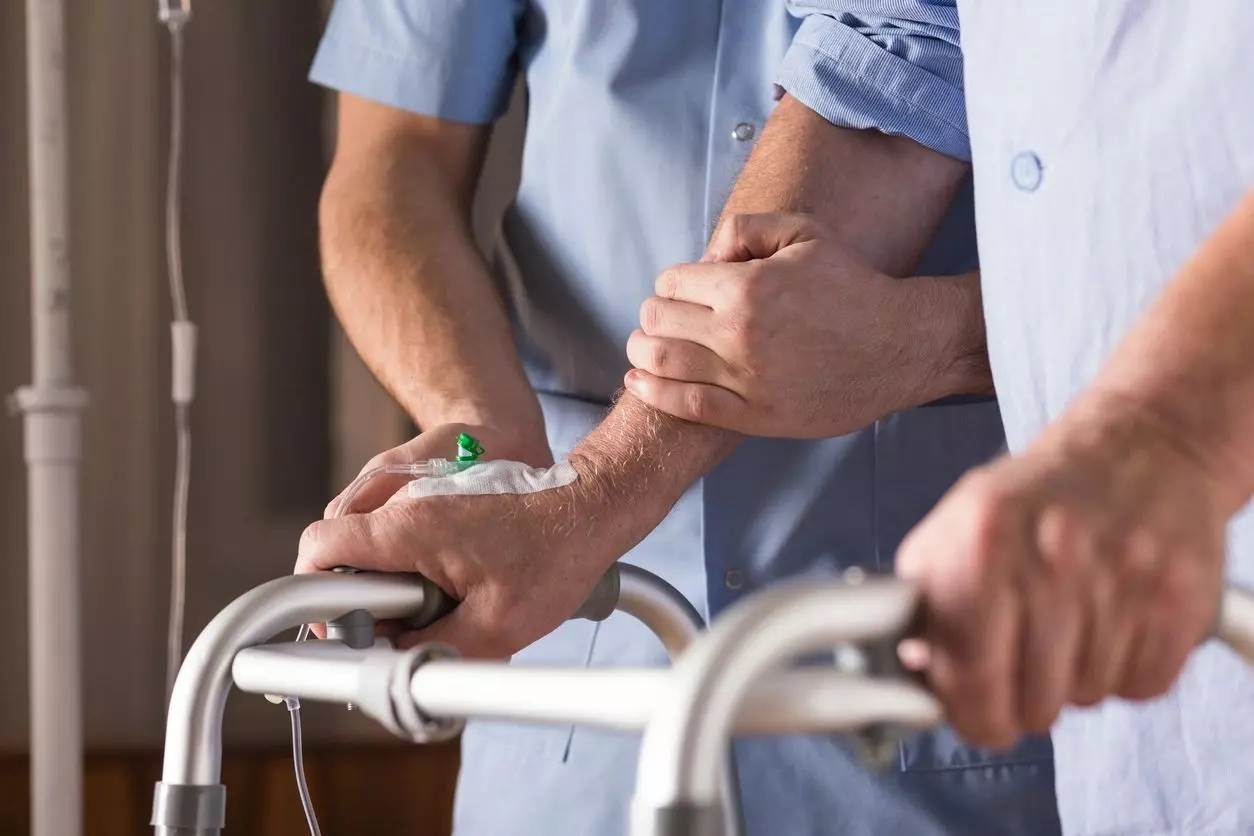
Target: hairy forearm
<point>1189,361</point>
<point>642,459</point>
<point>885,196</point>
<point>413,293</point>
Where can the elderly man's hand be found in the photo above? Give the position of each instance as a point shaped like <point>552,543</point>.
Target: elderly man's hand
<point>780,331</point>
<point>520,564</point>
<point>1088,567</point>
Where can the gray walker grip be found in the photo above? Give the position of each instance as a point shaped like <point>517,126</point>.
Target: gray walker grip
<point>601,604</point>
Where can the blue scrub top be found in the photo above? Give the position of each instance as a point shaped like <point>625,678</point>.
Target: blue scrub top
<point>640,116</point>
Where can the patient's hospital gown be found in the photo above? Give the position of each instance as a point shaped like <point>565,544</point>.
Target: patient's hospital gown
<point>640,113</point>
<point>1109,139</point>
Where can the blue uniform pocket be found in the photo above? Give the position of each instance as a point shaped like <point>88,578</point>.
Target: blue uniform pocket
<point>919,454</point>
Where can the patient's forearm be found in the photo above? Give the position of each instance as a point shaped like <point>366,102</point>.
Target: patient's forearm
<point>1190,359</point>
<point>885,194</point>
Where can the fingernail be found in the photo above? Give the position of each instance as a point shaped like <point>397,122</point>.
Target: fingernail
<point>632,379</point>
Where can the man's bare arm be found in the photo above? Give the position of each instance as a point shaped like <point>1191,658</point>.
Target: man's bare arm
<point>406,278</point>
<point>883,196</point>
<point>1189,361</point>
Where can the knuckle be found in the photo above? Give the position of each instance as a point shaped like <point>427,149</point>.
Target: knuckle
<point>667,282</point>
<point>650,314</point>
<point>659,355</point>
<point>1062,538</point>
<point>697,403</point>
<point>744,331</point>
<point>311,540</point>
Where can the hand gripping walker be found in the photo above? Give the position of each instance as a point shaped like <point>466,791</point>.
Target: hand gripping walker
<point>730,682</point>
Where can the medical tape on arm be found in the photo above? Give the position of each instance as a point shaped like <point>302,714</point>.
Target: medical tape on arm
<point>496,477</point>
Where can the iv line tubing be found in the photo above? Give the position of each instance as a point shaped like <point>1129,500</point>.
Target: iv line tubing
<point>298,758</point>
<point>178,298</point>
<point>416,470</point>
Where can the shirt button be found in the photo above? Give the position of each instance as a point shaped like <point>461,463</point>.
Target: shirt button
<point>734,579</point>
<point>743,132</point>
<point>1026,171</point>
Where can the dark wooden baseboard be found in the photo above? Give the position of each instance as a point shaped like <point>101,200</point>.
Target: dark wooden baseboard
<point>385,790</point>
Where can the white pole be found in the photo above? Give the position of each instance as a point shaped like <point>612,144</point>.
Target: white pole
<point>51,408</point>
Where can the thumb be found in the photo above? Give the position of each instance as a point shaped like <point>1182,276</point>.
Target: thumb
<point>746,237</point>
<point>328,543</point>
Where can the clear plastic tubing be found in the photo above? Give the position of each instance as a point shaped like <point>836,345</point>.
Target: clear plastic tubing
<point>414,470</point>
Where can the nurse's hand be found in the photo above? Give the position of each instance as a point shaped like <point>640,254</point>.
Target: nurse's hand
<point>780,331</point>
<point>520,564</point>
<point>1088,567</point>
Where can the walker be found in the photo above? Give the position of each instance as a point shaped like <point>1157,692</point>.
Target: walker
<point>725,681</point>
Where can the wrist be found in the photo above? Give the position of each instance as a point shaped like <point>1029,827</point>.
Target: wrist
<point>639,461</point>
<point>943,317</point>
<point>1173,449</point>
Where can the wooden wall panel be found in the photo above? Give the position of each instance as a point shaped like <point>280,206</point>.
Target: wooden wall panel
<point>359,790</point>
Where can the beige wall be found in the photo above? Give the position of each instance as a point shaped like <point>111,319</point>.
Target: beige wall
<point>254,156</point>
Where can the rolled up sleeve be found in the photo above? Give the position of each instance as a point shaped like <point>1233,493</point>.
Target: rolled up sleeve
<point>889,65</point>
<point>452,59</point>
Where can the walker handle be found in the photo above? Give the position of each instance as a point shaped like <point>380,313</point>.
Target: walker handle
<point>598,606</point>
<point>1235,626</point>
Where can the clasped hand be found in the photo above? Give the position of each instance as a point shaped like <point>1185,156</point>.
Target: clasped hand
<point>780,331</point>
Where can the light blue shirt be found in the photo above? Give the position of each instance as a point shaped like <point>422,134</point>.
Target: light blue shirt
<point>1109,138</point>
<point>640,115</point>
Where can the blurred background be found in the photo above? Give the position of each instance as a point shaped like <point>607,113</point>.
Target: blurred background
<point>284,415</point>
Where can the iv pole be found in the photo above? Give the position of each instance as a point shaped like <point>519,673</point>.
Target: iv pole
<point>52,408</point>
